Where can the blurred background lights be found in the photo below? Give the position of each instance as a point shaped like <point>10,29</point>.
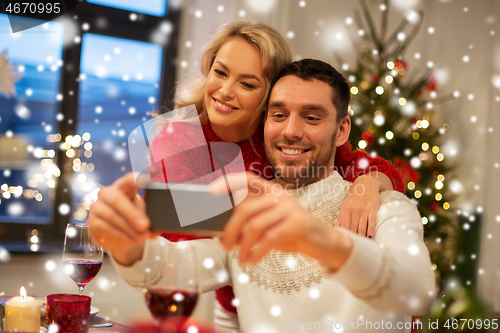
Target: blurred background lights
<point>378,120</point>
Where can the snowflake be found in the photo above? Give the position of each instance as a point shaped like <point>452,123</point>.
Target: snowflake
<point>276,311</point>
<point>4,254</point>
<point>50,265</point>
<point>208,263</point>
<point>413,250</point>
<point>243,278</point>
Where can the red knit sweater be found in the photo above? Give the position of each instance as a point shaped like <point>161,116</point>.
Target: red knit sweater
<point>186,167</point>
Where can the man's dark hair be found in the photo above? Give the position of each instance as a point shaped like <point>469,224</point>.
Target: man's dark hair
<point>309,69</point>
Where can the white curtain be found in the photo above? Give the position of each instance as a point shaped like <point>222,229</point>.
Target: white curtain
<point>465,50</point>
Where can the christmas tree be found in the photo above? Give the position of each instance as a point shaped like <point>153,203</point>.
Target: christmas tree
<point>459,308</point>
<point>393,115</point>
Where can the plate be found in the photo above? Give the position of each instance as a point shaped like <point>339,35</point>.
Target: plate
<point>93,311</point>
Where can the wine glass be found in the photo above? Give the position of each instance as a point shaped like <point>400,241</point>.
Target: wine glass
<point>82,259</point>
<point>173,298</point>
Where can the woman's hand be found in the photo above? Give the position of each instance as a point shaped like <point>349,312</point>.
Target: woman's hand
<point>118,222</point>
<point>358,212</point>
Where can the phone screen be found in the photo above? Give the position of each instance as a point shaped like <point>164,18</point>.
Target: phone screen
<point>187,208</point>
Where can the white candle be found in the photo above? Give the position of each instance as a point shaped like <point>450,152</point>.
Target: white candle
<point>22,314</point>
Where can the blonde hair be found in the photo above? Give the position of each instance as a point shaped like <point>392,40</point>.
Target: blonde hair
<point>272,46</point>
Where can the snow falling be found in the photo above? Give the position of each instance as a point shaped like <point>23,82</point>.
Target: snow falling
<point>118,81</point>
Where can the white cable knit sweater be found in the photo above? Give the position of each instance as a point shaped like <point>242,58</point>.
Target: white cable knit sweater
<point>383,282</point>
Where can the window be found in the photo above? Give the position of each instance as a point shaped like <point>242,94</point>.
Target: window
<point>28,169</point>
<point>151,7</point>
<point>119,82</point>
<point>88,81</point>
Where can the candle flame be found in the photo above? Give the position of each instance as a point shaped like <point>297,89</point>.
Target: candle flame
<point>23,292</point>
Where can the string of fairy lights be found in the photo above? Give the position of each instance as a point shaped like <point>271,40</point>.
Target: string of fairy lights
<point>408,109</point>
<point>78,149</point>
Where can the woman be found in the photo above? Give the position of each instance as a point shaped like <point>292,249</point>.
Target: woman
<point>237,66</point>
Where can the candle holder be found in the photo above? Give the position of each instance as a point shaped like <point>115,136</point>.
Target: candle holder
<point>70,313</point>
<point>20,313</point>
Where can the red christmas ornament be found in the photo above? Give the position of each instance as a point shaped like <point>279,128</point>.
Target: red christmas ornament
<point>409,174</point>
<point>434,207</point>
<point>401,64</point>
<point>368,136</point>
<point>432,85</point>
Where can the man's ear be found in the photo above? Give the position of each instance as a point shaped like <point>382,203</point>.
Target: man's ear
<point>343,131</point>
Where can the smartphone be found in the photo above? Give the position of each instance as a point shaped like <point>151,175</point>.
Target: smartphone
<point>187,208</point>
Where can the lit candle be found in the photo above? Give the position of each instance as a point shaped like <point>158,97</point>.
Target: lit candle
<point>22,314</point>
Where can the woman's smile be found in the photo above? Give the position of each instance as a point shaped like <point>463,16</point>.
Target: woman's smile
<point>223,107</point>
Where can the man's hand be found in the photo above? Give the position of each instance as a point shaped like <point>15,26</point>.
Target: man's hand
<point>269,218</point>
<point>118,221</point>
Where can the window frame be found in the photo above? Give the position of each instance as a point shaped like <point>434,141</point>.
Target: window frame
<point>13,236</point>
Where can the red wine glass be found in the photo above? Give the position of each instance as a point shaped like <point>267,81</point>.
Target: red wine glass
<point>82,259</point>
<point>174,297</point>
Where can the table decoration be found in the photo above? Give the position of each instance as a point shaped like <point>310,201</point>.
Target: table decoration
<point>68,313</point>
<point>22,314</point>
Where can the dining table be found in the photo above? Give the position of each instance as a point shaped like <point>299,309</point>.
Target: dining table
<point>96,320</point>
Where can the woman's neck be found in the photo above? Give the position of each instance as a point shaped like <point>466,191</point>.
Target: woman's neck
<point>234,133</point>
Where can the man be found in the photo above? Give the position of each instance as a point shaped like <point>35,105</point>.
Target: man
<point>292,269</point>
